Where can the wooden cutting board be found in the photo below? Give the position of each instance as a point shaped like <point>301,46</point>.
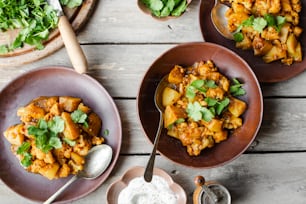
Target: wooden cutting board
<point>28,54</point>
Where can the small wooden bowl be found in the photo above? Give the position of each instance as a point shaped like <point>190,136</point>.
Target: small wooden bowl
<point>146,10</point>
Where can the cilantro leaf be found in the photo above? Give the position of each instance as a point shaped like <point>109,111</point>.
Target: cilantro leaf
<point>259,24</point>
<point>238,37</point>
<point>27,157</point>
<point>180,8</point>
<point>222,105</point>
<point>26,160</point>
<point>46,133</point>
<point>71,3</point>
<point>198,112</point>
<point>236,89</point>
<point>106,132</point>
<point>56,125</point>
<point>199,85</point>
<point>34,18</point>
<point>79,116</point>
<point>163,8</point>
<point>69,142</point>
<point>24,147</point>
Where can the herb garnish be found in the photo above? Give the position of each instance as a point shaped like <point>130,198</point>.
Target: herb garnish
<point>198,112</point>
<point>79,116</point>
<point>236,89</point>
<point>199,85</point>
<point>23,150</point>
<point>214,106</point>
<point>259,24</point>
<point>46,133</point>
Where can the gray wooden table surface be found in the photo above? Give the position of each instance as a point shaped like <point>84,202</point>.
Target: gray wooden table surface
<point>120,43</point>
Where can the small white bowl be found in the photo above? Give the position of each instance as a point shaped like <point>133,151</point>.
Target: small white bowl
<point>137,171</point>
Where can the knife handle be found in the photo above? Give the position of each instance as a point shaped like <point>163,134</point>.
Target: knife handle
<point>72,45</point>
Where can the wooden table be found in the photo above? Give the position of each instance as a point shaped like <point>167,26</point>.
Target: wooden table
<point>120,43</point>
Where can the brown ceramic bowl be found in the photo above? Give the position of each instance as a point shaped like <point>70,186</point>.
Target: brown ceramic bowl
<point>146,10</point>
<point>115,189</point>
<point>272,72</point>
<point>232,66</point>
<point>54,81</point>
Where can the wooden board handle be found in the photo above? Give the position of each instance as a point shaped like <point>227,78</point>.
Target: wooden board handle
<point>72,45</point>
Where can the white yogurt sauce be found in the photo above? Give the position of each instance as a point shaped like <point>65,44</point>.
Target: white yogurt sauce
<point>139,191</point>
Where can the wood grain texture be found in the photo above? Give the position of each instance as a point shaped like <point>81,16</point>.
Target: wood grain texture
<point>250,179</point>
<point>120,43</point>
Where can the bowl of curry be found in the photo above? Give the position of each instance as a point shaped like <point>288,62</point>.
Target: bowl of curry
<point>212,104</point>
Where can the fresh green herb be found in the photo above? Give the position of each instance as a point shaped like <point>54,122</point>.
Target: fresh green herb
<point>198,112</point>
<point>238,37</point>
<point>163,8</point>
<point>35,18</point>
<point>106,132</point>
<point>79,116</point>
<point>71,3</point>
<point>69,142</point>
<point>46,133</point>
<point>220,106</point>
<point>259,24</point>
<point>23,150</point>
<point>180,120</point>
<point>216,106</point>
<point>27,159</point>
<point>179,9</point>
<point>199,85</point>
<point>236,89</point>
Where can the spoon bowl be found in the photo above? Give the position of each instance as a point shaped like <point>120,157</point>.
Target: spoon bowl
<point>97,160</point>
<point>219,20</point>
<point>148,173</point>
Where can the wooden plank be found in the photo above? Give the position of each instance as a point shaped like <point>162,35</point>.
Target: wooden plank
<point>283,127</point>
<point>117,21</point>
<point>115,65</point>
<point>251,179</point>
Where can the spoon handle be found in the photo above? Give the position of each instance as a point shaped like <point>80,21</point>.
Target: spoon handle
<point>150,165</point>
<point>59,191</point>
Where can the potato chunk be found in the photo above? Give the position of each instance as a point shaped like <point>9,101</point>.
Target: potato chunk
<point>69,103</point>
<point>71,130</point>
<point>170,96</point>
<point>15,134</point>
<point>237,107</point>
<point>175,76</point>
<point>172,114</point>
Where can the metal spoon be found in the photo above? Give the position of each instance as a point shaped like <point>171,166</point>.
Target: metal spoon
<point>219,20</point>
<point>158,103</point>
<point>97,160</point>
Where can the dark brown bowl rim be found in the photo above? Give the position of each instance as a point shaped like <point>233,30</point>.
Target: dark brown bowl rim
<point>255,81</point>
